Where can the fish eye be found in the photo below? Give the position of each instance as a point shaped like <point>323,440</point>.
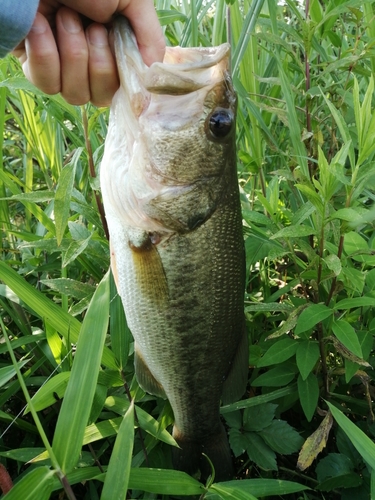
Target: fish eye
<point>220,122</point>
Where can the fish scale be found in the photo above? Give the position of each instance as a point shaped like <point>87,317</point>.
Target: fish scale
<point>171,198</point>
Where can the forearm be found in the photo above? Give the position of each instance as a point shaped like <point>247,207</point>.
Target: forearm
<point>16,19</point>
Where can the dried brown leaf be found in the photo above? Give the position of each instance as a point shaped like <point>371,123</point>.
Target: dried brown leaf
<point>315,443</point>
<point>348,354</point>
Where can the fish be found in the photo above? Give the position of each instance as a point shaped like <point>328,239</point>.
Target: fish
<point>171,198</point>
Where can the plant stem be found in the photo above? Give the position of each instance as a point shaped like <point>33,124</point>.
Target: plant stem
<point>307,88</point>
<point>93,173</point>
<point>333,285</point>
<point>323,360</point>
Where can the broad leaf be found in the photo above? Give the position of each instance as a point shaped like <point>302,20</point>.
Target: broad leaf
<point>257,418</point>
<point>307,355</point>
<point>280,351</point>
<point>259,452</point>
<point>336,471</point>
<point>276,377</point>
<point>281,437</point>
<point>308,391</point>
<point>310,316</point>
<point>347,336</point>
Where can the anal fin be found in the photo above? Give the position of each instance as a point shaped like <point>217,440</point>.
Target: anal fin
<point>235,383</point>
<point>145,378</point>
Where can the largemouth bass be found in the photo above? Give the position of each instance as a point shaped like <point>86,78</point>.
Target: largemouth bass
<point>171,198</point>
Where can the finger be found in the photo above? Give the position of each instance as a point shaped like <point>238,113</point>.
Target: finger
<point>145,23</point>
<point>103,74</point>
<point>74,56</point>
<point>40,59</point>
<point>97,10</point>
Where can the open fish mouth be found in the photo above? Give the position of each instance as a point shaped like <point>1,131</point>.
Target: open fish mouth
<point>158,115</point>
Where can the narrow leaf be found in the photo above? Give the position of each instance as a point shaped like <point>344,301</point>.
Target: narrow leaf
<point>80,392</point>
<point>164,481</point>
<point>258,400</point>
<point>64,194</point>
<point>117,477</point>
<point>265,487</point>
<point>363,444</point>
<point>8,372</point>
<point>59,319</point>
<point>36,484</point>
<point>145,420</point>
<point>231,492</point>
<point>69,287</point>
<point>120,333</point>
<point>294,232</point>
<point>348,355</point>
<point>354,302</point>
<point>46,395</point>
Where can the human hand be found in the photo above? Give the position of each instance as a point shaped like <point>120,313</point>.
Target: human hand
<point>60,55</point>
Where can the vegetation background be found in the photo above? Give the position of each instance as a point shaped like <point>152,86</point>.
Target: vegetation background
<point>304,73</point>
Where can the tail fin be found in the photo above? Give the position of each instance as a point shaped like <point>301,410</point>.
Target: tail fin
<point>189,457</point>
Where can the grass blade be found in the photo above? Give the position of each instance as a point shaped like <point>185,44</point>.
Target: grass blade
<point>63,195</point>
<point>358,438</point>
<point>118,472</point>
<point>63,322</point>
<point>120,333</point>
<point>79,394</point>
<point>37,484</point>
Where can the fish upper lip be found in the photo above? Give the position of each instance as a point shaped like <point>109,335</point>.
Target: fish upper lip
<point>183,70</point>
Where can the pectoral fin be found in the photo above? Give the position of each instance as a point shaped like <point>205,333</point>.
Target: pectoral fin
<point>235,384</point>
<point>145,378</point>
<point>149,269</point>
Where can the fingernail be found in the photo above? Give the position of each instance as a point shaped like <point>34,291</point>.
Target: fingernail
<point>39,25</point>
<point>98,36</point>
<point>70,22</point>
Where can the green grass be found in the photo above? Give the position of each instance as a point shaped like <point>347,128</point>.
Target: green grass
<point>305,142</point>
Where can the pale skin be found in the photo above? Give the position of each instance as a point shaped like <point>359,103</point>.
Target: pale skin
<point>61,54</point>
